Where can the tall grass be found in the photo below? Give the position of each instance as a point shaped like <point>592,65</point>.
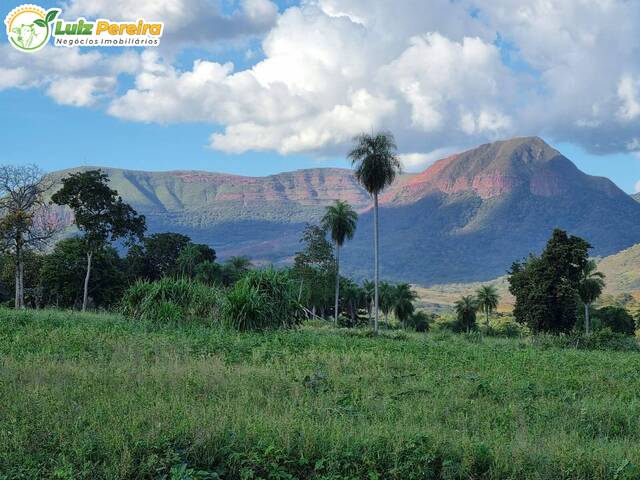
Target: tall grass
<point>262,299</point>
<point>172,300</point>
<point>102,397</point>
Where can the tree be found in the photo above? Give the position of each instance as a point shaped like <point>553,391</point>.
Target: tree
<point>546,287</point>
<point>64,269</point>
<point>192,255</point>
<point>235,267</point>
<point>313,268</point>
<point>386,299</point>
<point>466,309</point>
<point>340,221</point>
<point>403,302</point>
<point>617,319</point>
<point>487,298</point>
<point>589,289</point>
<point>157,256</point>
<point>27,223</point>
<point>376,167</point>
<point>100,214</point>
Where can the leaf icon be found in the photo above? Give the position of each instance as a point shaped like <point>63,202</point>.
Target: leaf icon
<point>39,22</point>
<point>51,14</point>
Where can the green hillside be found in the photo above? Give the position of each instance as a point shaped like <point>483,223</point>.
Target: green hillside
<point>622,271</point>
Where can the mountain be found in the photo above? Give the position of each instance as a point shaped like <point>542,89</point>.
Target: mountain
<point>636,196</point>
<point>465,218</point>
<point>622,271</point>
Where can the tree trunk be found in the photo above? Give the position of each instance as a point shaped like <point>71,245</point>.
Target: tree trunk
<point>335,319</point>
<point>587,326</point>
<point>375,261</point>
<point>86,282</point>
<point>19,293</point>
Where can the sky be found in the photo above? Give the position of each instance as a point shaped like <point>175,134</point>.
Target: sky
<point>256,87</point>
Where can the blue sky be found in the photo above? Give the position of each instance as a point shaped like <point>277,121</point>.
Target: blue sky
<point>43,122</point>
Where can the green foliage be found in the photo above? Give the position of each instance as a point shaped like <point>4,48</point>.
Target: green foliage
<point>340,220</point>
<point>466,309</point>
<point>88,396</point>
<point>420,321</point>
<point>505,326</point>
<point>615,318</point>
<point>261,300</point>
<point>171,300</point>
<point>193,255</point>
<point>99,212</point>
<point>157,256</point>
<point>546,288</point>
<point>403,298</point>
<point>487,299</point>
<point>375,160</point>
<point>63,271</point>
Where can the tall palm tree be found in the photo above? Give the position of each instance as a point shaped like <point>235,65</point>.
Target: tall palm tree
<point>466,309</point>
<point>376,167</point>
<point>340,221</point>
<point>487,298</point>
<point>591,286</point>
<point>403,302</point>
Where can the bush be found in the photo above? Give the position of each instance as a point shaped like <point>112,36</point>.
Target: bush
<point>504,327</point>
<point>449,323</point>
<point>420,321</point>
<point>262,299</point>
<point>171,300</point>
<point>615,318</point>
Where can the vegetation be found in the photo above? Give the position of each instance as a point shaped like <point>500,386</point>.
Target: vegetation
<point>546,288</point>
<point>99,213</point>
<point>487,299</point>
<point>589,289</point>
<point>376,167</point>
<point>466,309</point>
<point>340,221</point>
<point>90,396</point>
<point>261,300</point>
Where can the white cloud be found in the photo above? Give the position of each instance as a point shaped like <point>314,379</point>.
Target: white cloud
<point>432,72</point>
<point>412,162</point>
<point>80,92</point>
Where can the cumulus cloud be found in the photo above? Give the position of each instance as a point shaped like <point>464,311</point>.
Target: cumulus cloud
<point>440,74</point>
<point>186,22</point>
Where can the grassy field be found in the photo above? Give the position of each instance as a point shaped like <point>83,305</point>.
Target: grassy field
<point>99,397</point>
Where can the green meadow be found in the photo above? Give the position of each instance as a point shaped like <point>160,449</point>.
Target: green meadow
<point>91,396</point>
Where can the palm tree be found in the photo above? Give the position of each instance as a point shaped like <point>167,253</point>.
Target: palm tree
<point>376,167</point>
<point>466,309</point>
<point>487,298</point>
<point>403,302</point>
<point>387,300</point>
<point>340,220</point>
<point>591,286</point>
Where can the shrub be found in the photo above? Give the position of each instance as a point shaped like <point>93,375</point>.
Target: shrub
<point>420,321</point>
<point>505,327</point>
<point>262,299</point>
<point>171,300</point>
<point>449,323</point>
<point>615,318</point>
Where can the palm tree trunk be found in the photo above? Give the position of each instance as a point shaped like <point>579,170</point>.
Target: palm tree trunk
<point>586,318</point>
<point>86,282</point>
<point>335,320</point>
<point>375,261</point>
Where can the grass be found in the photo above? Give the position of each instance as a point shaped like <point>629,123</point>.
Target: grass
<point>100,397</point>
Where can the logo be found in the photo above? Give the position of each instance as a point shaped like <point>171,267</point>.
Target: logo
<point>29,28</point>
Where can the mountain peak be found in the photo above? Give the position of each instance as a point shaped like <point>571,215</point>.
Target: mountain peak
<point>491,170</point>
